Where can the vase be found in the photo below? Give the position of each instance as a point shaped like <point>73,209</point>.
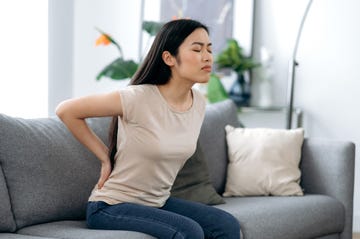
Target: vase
<point>265,96</point>
<point>240,91</point>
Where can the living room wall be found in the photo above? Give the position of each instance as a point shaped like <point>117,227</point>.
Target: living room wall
<point>327,78</point>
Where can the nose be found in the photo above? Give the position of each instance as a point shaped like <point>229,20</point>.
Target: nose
<point>207,56</point>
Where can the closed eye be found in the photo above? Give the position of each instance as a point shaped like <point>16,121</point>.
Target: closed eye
<point>202,46</point>
<point>199,50</point>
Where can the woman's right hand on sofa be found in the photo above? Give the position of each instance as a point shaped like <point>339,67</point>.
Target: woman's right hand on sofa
<point>104,173</point>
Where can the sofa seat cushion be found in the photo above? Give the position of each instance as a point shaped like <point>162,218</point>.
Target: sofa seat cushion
<point>332,236</point>
<point>78,230</point>
<point>18,236</point>
<point>284,217</point>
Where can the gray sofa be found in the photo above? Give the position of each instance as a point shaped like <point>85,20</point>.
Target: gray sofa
<point>46,177</point>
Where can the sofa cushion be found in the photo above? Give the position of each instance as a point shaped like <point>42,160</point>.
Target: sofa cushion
<point>193,181</point>
<point>284,217</point>
<point>263,161</point>
<point>213,142</point>
<point>7,223</point>
<point>332,236</point>
<point>18,236</point>
<point>48,173</point>
<point>78,230</point>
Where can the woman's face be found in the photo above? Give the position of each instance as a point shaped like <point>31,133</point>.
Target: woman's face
<point>194,60</point>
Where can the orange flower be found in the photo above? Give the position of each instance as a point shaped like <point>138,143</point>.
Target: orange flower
<point>103,40</point>
<point>178,18</point>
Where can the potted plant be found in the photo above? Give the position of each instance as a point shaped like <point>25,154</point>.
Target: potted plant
<point>233,57</point>
<point>121,68</point>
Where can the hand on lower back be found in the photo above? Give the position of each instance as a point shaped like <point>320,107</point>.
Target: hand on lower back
<point>104,174</point>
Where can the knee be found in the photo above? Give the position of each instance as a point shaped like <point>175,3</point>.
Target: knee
<point>230,226</point>
<point>190,230</point>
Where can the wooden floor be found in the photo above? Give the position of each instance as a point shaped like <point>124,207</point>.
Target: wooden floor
<point>356,236</point>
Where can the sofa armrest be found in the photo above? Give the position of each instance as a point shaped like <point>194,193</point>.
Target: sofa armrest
<point>327,167</point>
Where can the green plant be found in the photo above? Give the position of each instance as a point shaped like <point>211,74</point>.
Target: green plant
<point>233,57</point>
<point>120,68</point>
<point>215,90</point>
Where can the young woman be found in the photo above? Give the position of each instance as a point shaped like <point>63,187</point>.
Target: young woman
<point>157,120</point>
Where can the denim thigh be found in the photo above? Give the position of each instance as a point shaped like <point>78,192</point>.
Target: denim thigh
<point>178,219</point>
<point>159,223</point>
<point>216,223</point>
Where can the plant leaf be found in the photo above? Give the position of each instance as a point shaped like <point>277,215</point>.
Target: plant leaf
<point>152,27</point>
<point>216,91</point>
<point>233,57</point>
<point>119,69</point>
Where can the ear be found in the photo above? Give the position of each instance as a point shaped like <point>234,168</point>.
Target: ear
<point>168,58</point>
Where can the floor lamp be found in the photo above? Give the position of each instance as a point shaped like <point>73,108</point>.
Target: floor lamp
<point>291,74</point>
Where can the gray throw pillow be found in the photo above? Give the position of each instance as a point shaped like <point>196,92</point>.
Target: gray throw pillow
<point>193,182</point>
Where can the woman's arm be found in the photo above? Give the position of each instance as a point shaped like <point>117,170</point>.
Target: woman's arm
<point>73,113</point>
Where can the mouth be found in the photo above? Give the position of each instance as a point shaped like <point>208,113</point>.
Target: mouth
<point>207,68</point>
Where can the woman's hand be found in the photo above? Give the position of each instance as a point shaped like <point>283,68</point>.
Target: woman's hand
<point>73,113</point>
<point>104,173</point>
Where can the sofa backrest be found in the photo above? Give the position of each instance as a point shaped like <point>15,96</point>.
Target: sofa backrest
<point>212,139</point>
<point>7,223</point>
<point>49,175</point>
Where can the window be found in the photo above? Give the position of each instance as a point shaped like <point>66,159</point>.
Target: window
<point>24,58</point>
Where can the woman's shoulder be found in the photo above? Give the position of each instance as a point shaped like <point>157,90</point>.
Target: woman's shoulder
<point>142,87</point>
<point>136,98</point>
<point>135,90</point>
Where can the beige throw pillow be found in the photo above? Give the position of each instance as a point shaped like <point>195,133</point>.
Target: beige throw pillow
<point>263,161</point>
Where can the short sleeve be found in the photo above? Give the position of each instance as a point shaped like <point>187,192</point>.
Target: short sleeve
<point>131,98</point>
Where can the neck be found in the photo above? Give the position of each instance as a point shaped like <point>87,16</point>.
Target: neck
<point>178,96</point>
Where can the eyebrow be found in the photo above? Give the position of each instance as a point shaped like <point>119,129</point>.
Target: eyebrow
<point>201,43</point>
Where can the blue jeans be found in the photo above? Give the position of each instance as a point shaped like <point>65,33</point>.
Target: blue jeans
<point>177,219</point>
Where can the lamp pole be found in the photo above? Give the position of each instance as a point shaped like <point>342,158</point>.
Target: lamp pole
<point>291,74</point>
<point>142,8</point>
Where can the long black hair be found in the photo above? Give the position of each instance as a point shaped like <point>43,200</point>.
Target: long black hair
<point>153,69</point>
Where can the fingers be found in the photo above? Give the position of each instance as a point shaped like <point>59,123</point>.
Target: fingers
<point>104,175</point>
<point>101,182</point>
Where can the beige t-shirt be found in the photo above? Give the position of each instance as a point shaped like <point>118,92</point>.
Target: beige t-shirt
<point>154,141</point>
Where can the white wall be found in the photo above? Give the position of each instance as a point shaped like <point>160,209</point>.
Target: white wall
<point>23,58</point>
<point>328,77</point>
<point>120,19</point>
<point>60,57</point>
